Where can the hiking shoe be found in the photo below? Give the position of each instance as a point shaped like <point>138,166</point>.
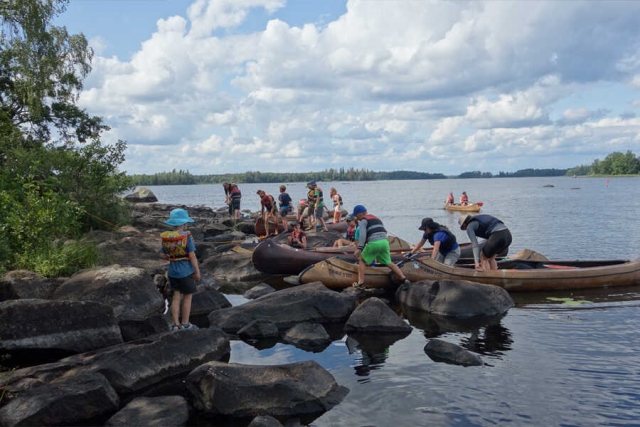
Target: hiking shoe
<point>358,285</point>
<point>406,281</point>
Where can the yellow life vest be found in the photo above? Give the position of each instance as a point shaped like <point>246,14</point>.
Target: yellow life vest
<point>174,244</point>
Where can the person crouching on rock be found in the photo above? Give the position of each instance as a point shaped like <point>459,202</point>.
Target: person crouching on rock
<point>179,248</point>
<point>298,238</point>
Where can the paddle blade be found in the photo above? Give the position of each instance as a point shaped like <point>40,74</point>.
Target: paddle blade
<point>479,203</point>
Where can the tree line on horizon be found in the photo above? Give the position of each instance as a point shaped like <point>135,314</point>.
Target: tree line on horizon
<point>616,163</point>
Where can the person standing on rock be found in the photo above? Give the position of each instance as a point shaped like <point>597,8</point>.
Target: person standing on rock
<point>179,248</point>
<point>235,196</point>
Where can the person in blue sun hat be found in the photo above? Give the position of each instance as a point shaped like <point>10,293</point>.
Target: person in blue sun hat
<point>372,245</point>
<point>179,248</point>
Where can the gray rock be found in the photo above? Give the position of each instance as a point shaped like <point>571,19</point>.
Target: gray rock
<point>259,329</point>
<point>130,291</point>
<point>207,301</point>
<point>25,284</point>
<point>258,290</point>
<point>132,367</point>
<point>141,195</point>
<point>67,327</point>
<point>233,267</point>
<point>264,421</point>
<point>312,302</point>
<point>373,315</point>
<point>456,298</point>
<point>76,399</point>
<point>443,351</point>
<point>152,411</point>
<point>136,329</point>
<point>308,336</point>
<point>247,391</point>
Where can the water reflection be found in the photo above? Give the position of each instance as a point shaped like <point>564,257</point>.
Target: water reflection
<point>486,335</point>
<point>374,351</point>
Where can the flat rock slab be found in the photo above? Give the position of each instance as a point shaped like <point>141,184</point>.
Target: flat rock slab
<point>163,411</point>
<point>244,391</point>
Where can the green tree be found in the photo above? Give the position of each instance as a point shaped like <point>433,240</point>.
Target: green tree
<point>56,177</point>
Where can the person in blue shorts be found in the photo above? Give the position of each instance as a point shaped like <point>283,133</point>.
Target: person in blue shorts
<point>179,248</point>
<point>372,245</point>
<point>285,206</point>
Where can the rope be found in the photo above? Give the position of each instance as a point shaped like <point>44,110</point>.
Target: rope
<point>99,219</point>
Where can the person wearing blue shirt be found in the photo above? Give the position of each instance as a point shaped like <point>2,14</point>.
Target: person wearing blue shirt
<point>445,246</point>
<point>179,248</point>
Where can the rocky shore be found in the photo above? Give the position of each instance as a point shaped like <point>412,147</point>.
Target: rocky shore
<point>95,348</point>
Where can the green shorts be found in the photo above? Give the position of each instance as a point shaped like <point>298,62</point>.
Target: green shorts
<point>378,251</point>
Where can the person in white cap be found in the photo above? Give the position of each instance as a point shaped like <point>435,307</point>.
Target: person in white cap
<point>488,227</point>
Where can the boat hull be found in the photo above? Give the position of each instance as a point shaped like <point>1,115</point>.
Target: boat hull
<point>459,208</point>
<point>540,276</point>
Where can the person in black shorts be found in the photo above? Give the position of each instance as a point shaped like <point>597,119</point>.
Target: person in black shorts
<point>488,227</point>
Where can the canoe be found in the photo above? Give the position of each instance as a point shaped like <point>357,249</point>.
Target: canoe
<point>472,207</point>
<point>273,258</point>
<point>340,272</point>
<point>261,231</point>
<point>538,275</point>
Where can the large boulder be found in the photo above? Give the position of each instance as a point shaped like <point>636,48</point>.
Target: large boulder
<point>373,315</point>
<point>141,195</point>
<point>25,284</point>
<point>73,400</point>
<point>233,267</point>
<point>456,298</point>
<point>234,390</point>
<point>130,291</point>
<point>312,302</point>
<point>56,328</point>
<point>133,367</point>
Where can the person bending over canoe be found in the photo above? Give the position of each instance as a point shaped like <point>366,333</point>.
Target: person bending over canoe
<point>464,199</point>
<point>488,227</point>
<point>268,209</point>
<point>445,245</point>
<point>372,244</point>
<point>297,238</point>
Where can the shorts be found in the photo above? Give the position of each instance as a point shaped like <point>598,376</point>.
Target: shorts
<point>450,259</point>
<point>235,204</point>
<point>319,213</point>
<point>337,209</point>
<point>184,285</point>
<point>378,251</point>
<point>496,243</point>
<point>284,211</point>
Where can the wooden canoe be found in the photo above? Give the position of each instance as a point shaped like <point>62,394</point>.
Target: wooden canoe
<point>472,207</point>
<point>339,272</point>
<point>273,258</point>
<point>260,230</point>
<point>539,276</point>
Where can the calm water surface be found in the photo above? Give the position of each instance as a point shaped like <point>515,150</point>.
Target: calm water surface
<point>547,363</point>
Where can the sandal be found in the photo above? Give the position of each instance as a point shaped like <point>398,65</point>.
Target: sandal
<point>175,328</point>
<point>188,326</point>
<point>358,285</point>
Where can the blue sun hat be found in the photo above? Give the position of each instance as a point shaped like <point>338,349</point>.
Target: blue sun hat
<point>358,209</point>
<point>178,217</point>
<point>310,183</point>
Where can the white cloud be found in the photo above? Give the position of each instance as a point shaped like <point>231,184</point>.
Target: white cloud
<point>445,86</point>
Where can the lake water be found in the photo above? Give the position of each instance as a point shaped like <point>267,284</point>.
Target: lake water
<point>547,363</point>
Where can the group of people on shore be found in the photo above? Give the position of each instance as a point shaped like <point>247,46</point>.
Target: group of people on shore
<point>365,232</point>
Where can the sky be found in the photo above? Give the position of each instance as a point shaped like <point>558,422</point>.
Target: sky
<point>229,86</point>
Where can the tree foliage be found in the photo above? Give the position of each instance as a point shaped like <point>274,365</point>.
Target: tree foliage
<point>56,177</point>
<point>616,163</point>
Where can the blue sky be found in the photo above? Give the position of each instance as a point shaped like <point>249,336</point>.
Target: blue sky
<point>217,86</point>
